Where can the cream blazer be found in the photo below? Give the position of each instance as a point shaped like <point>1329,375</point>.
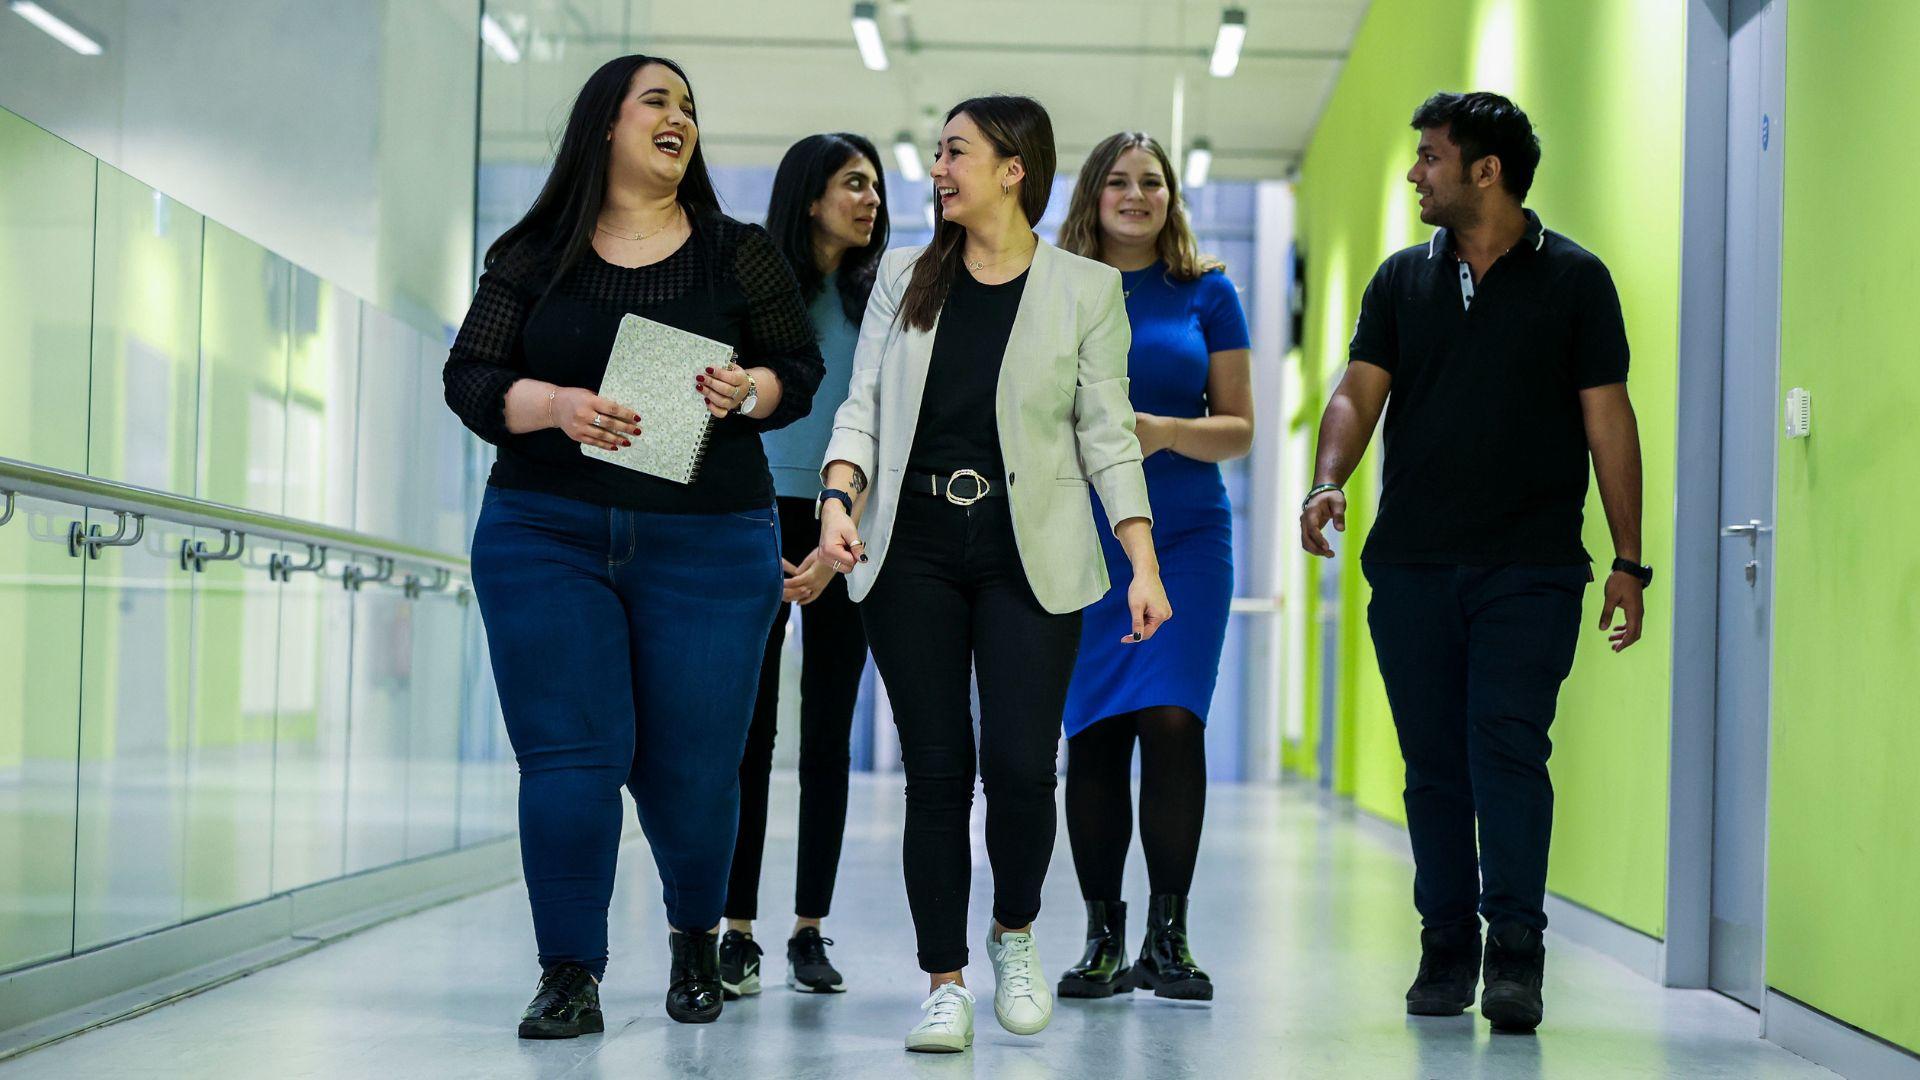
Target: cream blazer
<point>1064,417</point>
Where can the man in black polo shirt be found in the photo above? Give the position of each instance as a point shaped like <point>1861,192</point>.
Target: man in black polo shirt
<point>1498,352</point>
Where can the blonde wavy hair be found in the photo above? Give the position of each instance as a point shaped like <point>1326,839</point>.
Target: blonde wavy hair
<point>1081,232</point>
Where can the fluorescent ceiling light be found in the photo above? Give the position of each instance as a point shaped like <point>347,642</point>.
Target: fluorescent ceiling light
<point>907,156</point>
<point>1199,160</point>
<point>58,28</point>
<point>866,34</point>
<point>498,39</point>
<point>1226,47</point>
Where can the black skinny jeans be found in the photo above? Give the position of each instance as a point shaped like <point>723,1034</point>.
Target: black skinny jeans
<point>952,598</point>
<point>834,652</point>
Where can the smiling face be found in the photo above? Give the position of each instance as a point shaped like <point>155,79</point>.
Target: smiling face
<point>968,173</point>
<point>1133,200</point>
<point>655,133</point>
<point>843,216</point>
<point>1448,195</point>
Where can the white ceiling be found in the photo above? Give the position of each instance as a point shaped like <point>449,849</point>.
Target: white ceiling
<point>767,72</point>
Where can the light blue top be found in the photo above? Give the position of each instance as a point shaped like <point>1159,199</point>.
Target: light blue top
<point>794,452</point>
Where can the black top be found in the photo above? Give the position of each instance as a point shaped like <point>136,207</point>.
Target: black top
<point>957,428</point>
<point>727,282</point>
<point>1486,449</point>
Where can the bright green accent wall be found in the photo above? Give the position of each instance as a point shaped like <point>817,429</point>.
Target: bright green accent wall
<point>1601,83</point>
<point>1844,821</point>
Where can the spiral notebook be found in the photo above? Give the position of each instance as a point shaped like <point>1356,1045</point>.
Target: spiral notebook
<point>650,371</point>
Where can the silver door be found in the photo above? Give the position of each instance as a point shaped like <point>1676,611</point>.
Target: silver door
<point>1749,429</point>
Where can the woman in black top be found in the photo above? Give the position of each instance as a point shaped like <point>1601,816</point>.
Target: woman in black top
<point>988,393</point>
<point>625,612</point>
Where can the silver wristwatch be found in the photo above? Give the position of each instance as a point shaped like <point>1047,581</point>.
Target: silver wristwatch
<point>752,399</point>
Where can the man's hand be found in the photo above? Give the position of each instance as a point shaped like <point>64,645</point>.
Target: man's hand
<point>1626,594</point>
<point>1322,508</point>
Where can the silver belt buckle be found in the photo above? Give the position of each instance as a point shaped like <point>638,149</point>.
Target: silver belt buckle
<point>979,481</point>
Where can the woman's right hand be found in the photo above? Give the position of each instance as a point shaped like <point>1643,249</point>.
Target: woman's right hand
<point>575,409</point>
<point>840,543</point>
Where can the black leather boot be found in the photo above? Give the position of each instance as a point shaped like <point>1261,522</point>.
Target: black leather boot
<point>1516,962</point>
<point>1102,971</point>
<point>566,1006</point>
<point>1166,966</point>
<point>1449,970</point>
<point>694,995</point>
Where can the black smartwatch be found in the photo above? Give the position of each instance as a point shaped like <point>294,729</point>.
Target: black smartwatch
<point>836,494</point>
<point>1628,566</point>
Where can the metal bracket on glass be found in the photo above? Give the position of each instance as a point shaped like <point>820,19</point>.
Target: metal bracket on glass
<point>81,538</point>
<point>415,585</point>
<point>194,555</point>
<point>282,567</point>
<point>464,595</point>
<point>7,514</point>
<point>354,576</point>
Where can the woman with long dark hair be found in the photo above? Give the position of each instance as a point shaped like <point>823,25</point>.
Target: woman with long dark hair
<point>625,613</point>
<point>828,214</point>
<point>989,391</point>
<point>1192,389</point>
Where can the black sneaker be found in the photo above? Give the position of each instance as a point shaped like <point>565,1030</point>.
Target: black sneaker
<point>693,987</point>
<point>566,1006</point>
<point>1449,971</point>
<point>739,965</point>
<point>808,969</point>
<point>1516,961</point>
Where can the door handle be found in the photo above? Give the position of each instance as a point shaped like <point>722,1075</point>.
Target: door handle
<point>1750,529</point>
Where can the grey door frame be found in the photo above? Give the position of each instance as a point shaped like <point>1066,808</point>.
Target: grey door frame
<point>1695,575</point>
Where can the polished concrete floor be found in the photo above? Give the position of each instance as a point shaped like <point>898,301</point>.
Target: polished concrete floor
<point>1301,915</point>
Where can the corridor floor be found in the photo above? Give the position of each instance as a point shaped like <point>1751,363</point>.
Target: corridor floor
<point>1301,915</point>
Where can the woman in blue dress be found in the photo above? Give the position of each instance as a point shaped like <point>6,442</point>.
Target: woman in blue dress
<point>1192,386</point>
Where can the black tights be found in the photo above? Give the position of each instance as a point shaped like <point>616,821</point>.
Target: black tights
<point>1173,799</point>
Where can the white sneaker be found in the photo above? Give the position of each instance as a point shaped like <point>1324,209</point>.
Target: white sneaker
<point>1021,999</point>
<point>948,1028</point>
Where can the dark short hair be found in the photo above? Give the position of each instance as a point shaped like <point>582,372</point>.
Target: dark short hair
<point>1486,125</point>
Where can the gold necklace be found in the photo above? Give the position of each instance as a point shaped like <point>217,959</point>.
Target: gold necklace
<point>639,236</point>
<point>976,266</point>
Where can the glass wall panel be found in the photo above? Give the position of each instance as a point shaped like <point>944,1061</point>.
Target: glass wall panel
<point>134,724</point>
<point>40,596</point>
<point>323,386</point>
<point>378,743</point>
<point>386,476</point>
<point>311,730</point>
<point>433,728</point>
<point>244,302</point>
<point>445,479</point>
<point>146,347</point>
<point>46,291</point>
<point>229,844</point>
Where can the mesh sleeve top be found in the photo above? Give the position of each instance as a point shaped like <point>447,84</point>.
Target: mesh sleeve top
<point>728,282</point>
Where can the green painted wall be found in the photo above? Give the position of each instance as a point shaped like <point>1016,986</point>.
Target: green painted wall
<point>1844,820</point>
<point>1601,82</point>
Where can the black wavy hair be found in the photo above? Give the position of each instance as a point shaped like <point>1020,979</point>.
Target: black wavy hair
<point>1486,125</point>
<point>557,231</point>
<point>804,173</point>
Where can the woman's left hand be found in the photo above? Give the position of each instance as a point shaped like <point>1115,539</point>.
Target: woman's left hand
<point>723,387</point>
<point>1147,600</point>
<point>1154,432</point>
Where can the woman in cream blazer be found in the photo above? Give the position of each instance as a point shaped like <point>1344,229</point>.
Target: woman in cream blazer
<point>989,391</point>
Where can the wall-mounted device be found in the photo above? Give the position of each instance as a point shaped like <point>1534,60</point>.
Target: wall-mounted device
<point>1799,413</point>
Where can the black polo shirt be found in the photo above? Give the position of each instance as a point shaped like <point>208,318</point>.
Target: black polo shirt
<point>1486,450</point>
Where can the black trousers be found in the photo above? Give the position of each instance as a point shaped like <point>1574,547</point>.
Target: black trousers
<point>951,599</point>
<point>1473,658</point>
<point>834,652</point>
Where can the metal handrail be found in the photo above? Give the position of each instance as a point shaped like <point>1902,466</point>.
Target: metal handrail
<point>59,485</point>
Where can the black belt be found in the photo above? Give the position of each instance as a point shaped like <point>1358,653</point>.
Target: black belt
<point>962,488</point>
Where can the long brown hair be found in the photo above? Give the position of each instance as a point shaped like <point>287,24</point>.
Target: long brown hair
<point>1016,127</point>
<point>1176,245</point>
